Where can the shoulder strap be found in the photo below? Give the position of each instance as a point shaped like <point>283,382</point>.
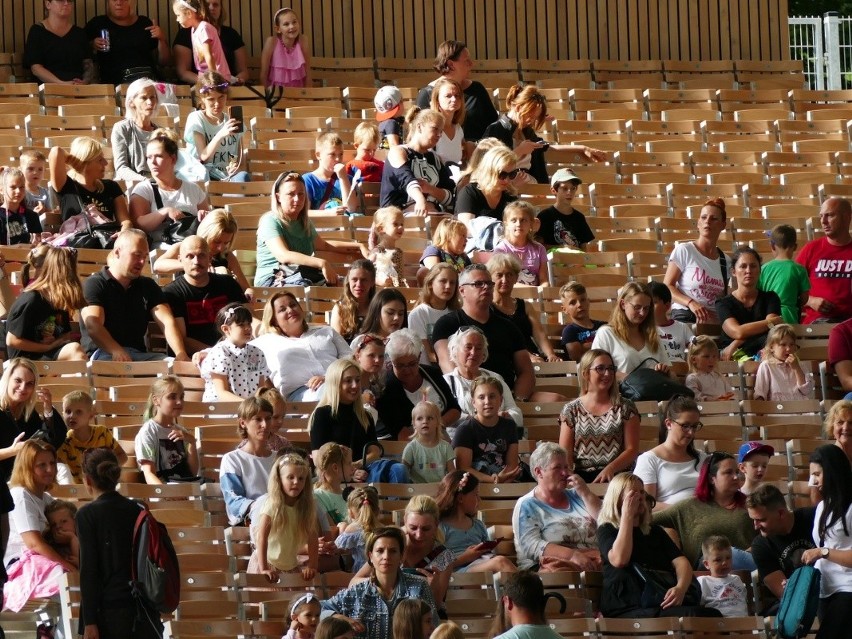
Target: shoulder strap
<point>328,189</point>
<point>723,264</point>
<point>158,199</point>
<point>642,363</point>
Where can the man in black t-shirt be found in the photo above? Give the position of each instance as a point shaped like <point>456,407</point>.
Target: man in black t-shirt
<point>198,295</point>
<point>783,537</point>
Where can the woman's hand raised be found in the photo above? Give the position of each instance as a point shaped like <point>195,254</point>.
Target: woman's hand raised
<point>631,506</point>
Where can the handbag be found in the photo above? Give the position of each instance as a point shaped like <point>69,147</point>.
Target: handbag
<point>95,236</point>
<point>656,583</point>
<point>177,230</point>
<point>646,384</point>
<point>297,275</point>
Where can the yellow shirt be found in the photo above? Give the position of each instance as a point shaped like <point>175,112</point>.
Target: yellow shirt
<point>72,449</point>
<point>283,545</point>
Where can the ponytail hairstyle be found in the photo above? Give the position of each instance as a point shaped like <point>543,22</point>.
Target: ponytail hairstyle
<point>416,117</point>
<point>163,386</point>
<point>328,455</point>
<point>453,484</point>
<point>364,502</point>
<point>101,466</point>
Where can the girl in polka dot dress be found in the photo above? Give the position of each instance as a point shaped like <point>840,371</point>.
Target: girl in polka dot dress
<point>234,369</point>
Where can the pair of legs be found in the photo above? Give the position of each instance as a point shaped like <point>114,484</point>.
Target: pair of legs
<point>135,355</point>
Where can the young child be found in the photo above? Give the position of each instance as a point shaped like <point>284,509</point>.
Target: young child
<point>721,590</point>
<point>365,167</point>
<point>674,336</point>
<point>285,61</point>
<point>412,619</point>
<point>753,459</point>
<point>448,243</point>
<point>78,409</point>
<point>304,617</point>
<point>438,296</point>
<point>580,331</point>
<point>388,103</point>
<point>233,368</point>
<point>388,226</point>
<point>328,185</point>
<point>781,376</point>
<point>165,450</point>
<point>18,224</point>
<point>703,379</point>
<point>38,198</point>
<point>464,533</point>
<point>561,225</point>
<point>787,278</point>
<point>428,456</point>
<point>518,240</point>
<point>207,52</point>
<point>333,464</point>
<point>363,507</point>
<point>287,522</point>
<point>61,533</point>
<point>334,628</point>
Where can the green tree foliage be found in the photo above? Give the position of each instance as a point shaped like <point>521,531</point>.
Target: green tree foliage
<point>819,7</point>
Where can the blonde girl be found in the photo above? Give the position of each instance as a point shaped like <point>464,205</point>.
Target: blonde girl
<point>304,617</point>
<point>448,244</point>
<point>18,224</point>
<point>287,522</point>
<point>244,472</point>
<point>434,191</point>
<point>518,241</point>
<point>219,228</point>
<point>482,147</point>
<point>364,518</point>
<point>428,456</point>
<point>285,61</point>
<point>464,533</point>
<point>703,379</point>
<point>448,100</point>
<point>438,296</point>
<point>631,335</point>
<point>358,291</point>
<point>165,450</point>
<point>234,369</point>
<point>526,114</point>
<point>333,467</point>
<point>412,618</point>
<point>447,630</point>
<point>207,50</point>
<point>388,227</point>
<point>781,376</point>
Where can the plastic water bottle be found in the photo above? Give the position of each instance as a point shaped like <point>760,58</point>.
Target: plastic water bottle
<point>105,36</point>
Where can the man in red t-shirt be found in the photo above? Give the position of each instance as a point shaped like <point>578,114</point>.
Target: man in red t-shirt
<point>840,354</point>
<point>828,261</point>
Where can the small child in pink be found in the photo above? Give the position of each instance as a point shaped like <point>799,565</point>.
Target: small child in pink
<point>207,51</point>
<point>518,231</point>
<point>284,59</point>
<point>703,379</point>
<point>781,376</point>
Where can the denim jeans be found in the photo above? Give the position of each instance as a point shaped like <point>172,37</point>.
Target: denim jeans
<point>135,354</point>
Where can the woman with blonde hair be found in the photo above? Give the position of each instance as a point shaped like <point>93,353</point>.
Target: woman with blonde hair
<point>414,178</point>
<point>526,113</point>
<point>447,99</point>
<point>631,336</point>
<point>490,188</point>
<point>39,322</point>
<point>838,426</point>
<point>77,177</point>
<point>130,136</point>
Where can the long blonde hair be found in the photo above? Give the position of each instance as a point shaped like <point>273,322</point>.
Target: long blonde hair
<point>614,497</point>
<point>621,326</point>
<point>331,392</point>
<point>58,282</point>
<point>83,151</point>
<point>305,507</point>
<point>11,365</point>
<point>364,502</point>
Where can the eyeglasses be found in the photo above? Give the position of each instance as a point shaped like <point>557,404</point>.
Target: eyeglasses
<point>508,175</point>
<point>693,427</point>
<point>479,284</point>
<point>219,88</point>
<point>601,369</point>
<point>639,308</point>
<point>405,365</point>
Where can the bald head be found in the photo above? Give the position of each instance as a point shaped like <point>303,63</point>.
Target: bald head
<point>194,243</point>
<point>835,215</point>
<point>195,259</point>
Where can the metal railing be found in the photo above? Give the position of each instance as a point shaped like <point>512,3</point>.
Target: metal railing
<point>824,45</point>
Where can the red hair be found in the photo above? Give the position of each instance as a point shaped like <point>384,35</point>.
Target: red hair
<point>704,490</point>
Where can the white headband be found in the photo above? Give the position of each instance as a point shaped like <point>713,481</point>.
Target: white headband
<point>186,5</point>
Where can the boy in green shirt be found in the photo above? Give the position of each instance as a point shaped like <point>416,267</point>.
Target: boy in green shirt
<point>788,279</point>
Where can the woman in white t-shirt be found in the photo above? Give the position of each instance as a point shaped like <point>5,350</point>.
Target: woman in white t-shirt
<point>631,336</point>
<point>695,274</point>
<point>670,470</point>
<point>175,198</point>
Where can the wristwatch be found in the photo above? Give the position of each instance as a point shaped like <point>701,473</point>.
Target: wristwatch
<point>823,552</point>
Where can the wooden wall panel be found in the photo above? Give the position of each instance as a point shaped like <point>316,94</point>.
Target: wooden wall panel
<point>547,29</point>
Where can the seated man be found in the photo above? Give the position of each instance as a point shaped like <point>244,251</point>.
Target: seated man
<point>783,537</point>
<point>840,354</point>
<point>196,296</point>
<point>120,302</point>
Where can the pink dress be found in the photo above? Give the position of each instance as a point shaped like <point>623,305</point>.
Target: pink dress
<point>206,32</point>
<point>287,67</point>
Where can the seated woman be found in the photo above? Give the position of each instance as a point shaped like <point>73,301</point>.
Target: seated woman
<point>631,336</point>
<point>376,598</point>
<point>409,378</point>
<point>340,417</point>
<point>57,51</point>
<point>77,178</point>
<point>718,508</point>
<point>130,136</point>
<point>297,355</point>
<point>468,348</point>
<point>747,313</point>
<point>287,240</point>
<point>670,470</point>
<point>359,288</point>
<point>414,178</point>
<point>554,524</point>
<point>626,539</point>
<point>157,203</point>
<point>599,429</point>
<point>39,322</point>
<point>490,188</point>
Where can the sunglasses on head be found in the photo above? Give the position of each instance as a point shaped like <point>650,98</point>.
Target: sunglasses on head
<point>219,88</point>
<point>508,175</point>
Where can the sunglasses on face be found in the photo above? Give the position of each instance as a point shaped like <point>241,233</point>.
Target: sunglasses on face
<point>508,175</point>
<point>601,369</point>
<point>219,88</point>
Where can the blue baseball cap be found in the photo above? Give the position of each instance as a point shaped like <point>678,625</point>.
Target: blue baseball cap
<point>754,447</point>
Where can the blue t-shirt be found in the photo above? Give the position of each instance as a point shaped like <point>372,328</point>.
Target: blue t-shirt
<point>316,186</point>
<point>576,333</point>
<point>458,540</point>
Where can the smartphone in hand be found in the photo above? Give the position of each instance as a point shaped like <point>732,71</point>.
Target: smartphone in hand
<point>236,112</point>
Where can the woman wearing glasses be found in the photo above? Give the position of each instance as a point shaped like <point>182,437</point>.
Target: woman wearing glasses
<point>57,51</point>
<point>599,429</point>
<point>631,336</point>
<point>717,508</point>
<point>490,188</point>
<point>211,135</point>
<point>670,470</point>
